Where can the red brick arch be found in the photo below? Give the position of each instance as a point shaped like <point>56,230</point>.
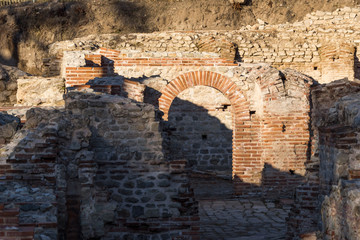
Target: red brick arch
<point>246,158</point>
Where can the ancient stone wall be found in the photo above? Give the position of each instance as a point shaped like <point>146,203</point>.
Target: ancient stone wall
<point>39,91</point>
<point>340,169</point>
<point>334,134</point>
<point>255,103</point>
<point>8,84</point>
<point>8,126</point>
<point>102,157</point>
<point>323,45</point>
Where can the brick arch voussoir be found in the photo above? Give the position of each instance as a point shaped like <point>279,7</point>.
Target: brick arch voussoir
<point>204,78</point>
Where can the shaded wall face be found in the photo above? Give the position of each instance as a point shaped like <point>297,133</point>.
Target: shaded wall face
<point>122,175</point>
<point>200,129</point>
<point>271,120</point>
<point>339,172</point>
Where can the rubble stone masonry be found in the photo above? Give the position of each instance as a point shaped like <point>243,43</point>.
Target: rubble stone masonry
<point>137,113</point>
<point>323,45</point>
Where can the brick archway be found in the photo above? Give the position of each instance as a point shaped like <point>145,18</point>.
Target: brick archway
<point>246,158</point>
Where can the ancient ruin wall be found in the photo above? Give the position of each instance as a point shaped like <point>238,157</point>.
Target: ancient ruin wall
<point>263,102</point>
<point>323,45</point>
<point>102,157</point>
<point>8,84</point>
<point>340,170</point>
<point>334,133</point>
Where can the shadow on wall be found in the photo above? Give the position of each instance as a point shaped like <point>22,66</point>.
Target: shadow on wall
<point>275,184</point>
<point>104,160</point>
<point>97,156</point>
<point>194,134</point>
<point>356,64</point>
<point>200,137</point>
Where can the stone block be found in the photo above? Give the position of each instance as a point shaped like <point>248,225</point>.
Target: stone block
<point>38,91</point>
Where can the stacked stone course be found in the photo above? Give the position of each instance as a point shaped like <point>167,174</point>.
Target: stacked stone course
<point>103,159</point>
<point>249,88</point>
<point>304,46</point>
<point>339,169</point>
<point>334,130</point>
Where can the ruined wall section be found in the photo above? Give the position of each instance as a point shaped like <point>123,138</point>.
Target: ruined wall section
<point>102,158</point>
<point>307,46</point>
<point>284,128</point>
<point>275,105</point>
<point>39,91</point>
<point>28,204</point>
<point>340,170</point>
<point>124,180</point>
<point>8,84</point>
<point>333,137</point>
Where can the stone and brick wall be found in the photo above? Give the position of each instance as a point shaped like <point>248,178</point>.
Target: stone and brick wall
<point>28,205</point>
<point>126,187</point>
<point>308,46</point>
<point>340,170</point>
<point>331,165</point>
<point>263,103</point>
<point>102,158</point>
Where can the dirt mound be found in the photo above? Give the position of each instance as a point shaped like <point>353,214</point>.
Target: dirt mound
<point>27,29</point>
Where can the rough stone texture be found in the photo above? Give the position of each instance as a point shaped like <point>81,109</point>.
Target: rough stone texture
<point>8,126</point>
<point>27,212</point>
<point>340,170</point>
<point>38,91</point>
<point>268,106</point>
<point>333,166</point>
<point>308,46</point>
<point>102,157</point>
<point>340,211</point>
<point>8,84</point>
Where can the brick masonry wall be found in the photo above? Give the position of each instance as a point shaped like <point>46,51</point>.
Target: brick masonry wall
<point>28,206</point>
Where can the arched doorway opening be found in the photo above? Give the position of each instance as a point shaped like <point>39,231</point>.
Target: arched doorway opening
<point>245,163</point>
<point>199,129</point>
